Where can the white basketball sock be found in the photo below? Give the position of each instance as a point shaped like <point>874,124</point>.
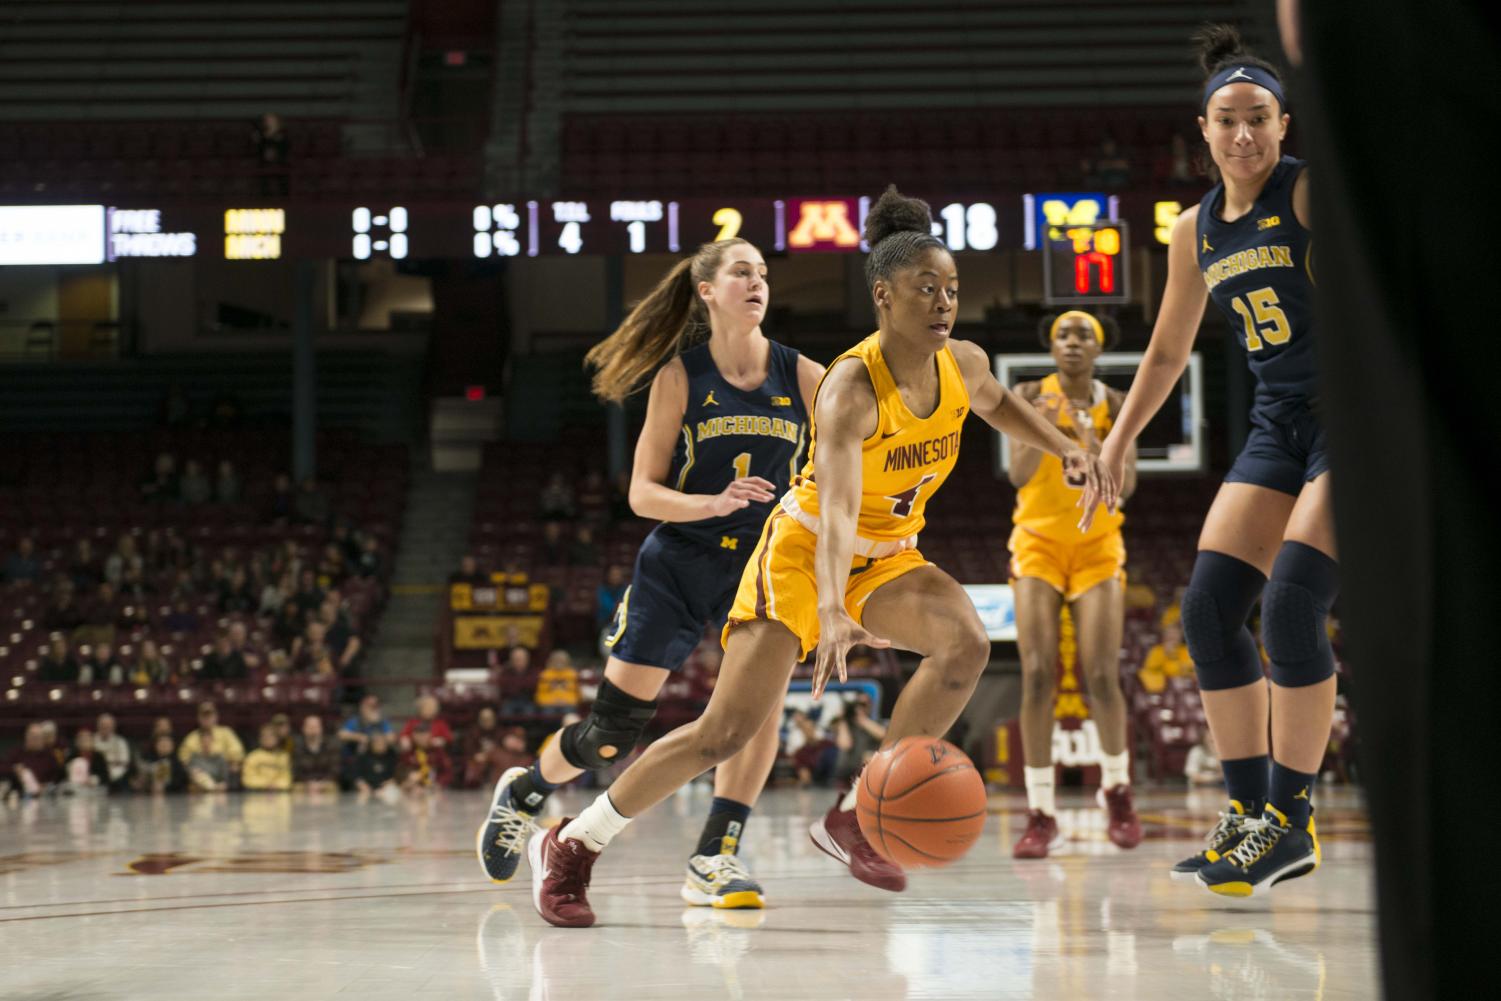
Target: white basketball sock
<point>1040,789</point>
<point>1115,769</point>
<point>597,825</point>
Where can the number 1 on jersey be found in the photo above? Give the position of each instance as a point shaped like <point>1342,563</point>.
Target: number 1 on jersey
<point>742,465</point>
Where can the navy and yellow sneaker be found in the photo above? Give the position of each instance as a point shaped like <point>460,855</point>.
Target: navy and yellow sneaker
<point>1226,835</point>
<point>722,882</point>
<point>1270,850</point>
<point>502,838</point>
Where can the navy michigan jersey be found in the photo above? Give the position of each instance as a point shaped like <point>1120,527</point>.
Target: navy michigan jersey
<point>1259,270</point>
<point>731,433</point>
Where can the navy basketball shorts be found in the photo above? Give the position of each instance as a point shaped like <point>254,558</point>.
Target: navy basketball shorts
<point>679,585</point>
<point>1283,454</point>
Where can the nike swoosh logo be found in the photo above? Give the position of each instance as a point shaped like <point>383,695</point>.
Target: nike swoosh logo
<point>891,434</point>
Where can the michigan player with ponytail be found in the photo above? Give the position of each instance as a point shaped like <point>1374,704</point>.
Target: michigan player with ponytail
<point>726,425</point>
<point>1270,532</point>
<point>1054,564</point>
<point>837,563</point>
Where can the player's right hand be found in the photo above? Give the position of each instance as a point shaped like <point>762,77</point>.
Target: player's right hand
<point>741,494</point>
<point>1113,457</point>
<point>837,635</point>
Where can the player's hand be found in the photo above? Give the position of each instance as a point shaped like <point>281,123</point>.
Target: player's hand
<point>741,494</point>
<point>837,634</point>
<point>1099,487</point>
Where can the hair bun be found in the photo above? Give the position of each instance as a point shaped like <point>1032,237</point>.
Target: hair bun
<point>1217,44</point>
<point>894,212</point>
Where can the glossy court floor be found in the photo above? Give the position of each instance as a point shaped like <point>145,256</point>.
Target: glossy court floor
<point>279,897</point>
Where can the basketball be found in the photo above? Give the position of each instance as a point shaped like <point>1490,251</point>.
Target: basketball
<point>921,803</point>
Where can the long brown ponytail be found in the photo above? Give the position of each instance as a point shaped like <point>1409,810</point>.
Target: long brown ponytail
<point>657,327</point>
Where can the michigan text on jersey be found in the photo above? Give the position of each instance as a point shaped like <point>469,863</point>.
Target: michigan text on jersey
<point>1248,260</point>
<point>774,427</point>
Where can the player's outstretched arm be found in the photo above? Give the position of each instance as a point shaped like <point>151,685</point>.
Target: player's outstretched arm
<point>1172,342</point>
<point>845,417</point>
<point>651,497</point>
<point>1009,414</point>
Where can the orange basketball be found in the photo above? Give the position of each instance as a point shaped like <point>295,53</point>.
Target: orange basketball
<point>921,802</point>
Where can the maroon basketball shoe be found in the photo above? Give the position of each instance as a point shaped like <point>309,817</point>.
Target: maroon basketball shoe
<point>838,834</point>
<point>1040,836</point>
<point>1124,828</point>
<point>560,878</point>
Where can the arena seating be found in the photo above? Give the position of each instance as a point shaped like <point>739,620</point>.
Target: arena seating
<point>86,486</point>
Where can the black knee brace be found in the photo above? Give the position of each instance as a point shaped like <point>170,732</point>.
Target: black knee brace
<point>615,724</point>
<point>1293,611</point>
<point>1216,605</point>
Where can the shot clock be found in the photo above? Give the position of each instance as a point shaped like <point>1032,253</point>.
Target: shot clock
<point>1087,264</point>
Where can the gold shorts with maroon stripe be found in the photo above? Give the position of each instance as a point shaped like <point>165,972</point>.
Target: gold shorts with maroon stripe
<point>779,584</point>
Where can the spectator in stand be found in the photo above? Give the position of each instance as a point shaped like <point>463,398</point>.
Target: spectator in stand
<point>556,502</point>
<point>554,549</point>
<point>86,770</point>
<point>607,597</point>
<point>338,631</point>
<point>224,663</point>
<point>309,595</point>
<point>331,566</point>
<point>63,612</point>
<point>85,568</point>
<point>151,668</point>
<point>22,566</point>
<point>425,765</point>
<point>162,727</point>
<point>1176,166</point>
<point>475,744</point>
<point>469,573</point>
<point>517,683</point>
<point>102,666</point>
<point>183,618</point>
<point>370,562</point>
<point>161,484</point>
<point>33,768</point>
<point>99,616</point>
<point>558,684</point>
<point>1168,659</point>
<point>484,768</point>
<point>374,766</point>
<point>311,505</point>
<point>347,539</point>
<point>282,724</point>
<point>276,595</point>
<point>227,486</point>
<point>125,557</point>
<point>367,722</point>
<point>1109,169</point>
<point>857,736</point>
<point>135,591</point>
<point>118,757</point>
<point>1203,765</point>
<point>281,504</point>
<point>315,758</point>
<point>161,771</point>
<point>583,552</point>
<point>240,643</point>
<point>236,593</point>
<point>58,665</point>
<point>268,768</point>
<point>286,631</point>
<point>212,754</point>
<point>427,716</point>
<point>814,755</point>
<point>195,487</point>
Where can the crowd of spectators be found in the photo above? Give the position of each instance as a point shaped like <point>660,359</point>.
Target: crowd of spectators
<point>112,616</point>
<point>364,754</point>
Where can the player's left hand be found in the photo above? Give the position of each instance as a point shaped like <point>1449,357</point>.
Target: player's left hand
<point>1099,485</point>
<point>837,634</point>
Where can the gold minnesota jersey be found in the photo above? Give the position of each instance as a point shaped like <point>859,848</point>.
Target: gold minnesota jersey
<point>902,464</point>
<point>1046,505</point>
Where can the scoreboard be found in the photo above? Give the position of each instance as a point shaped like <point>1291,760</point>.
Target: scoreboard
<point>261,231</point>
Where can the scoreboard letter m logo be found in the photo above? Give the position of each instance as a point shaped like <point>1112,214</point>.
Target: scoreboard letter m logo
<point>824,222</point>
